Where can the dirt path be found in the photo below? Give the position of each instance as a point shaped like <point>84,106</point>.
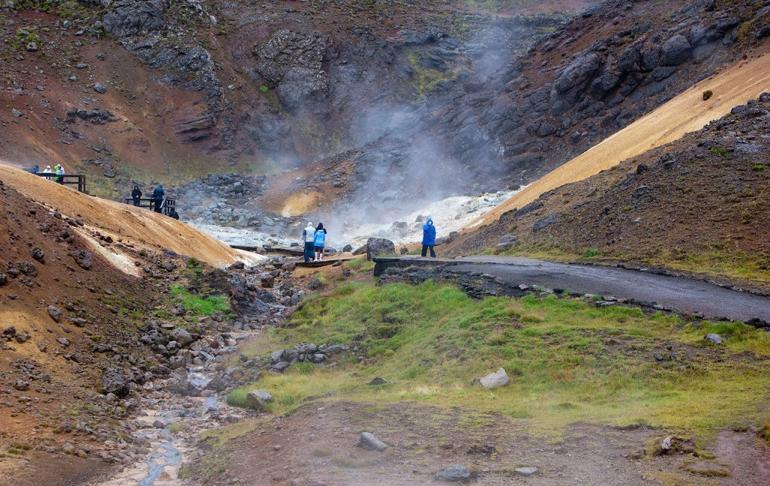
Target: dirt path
<point>677,293</point>
<point>683,114</point>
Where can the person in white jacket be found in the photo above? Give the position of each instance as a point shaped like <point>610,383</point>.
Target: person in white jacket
<point>308,235</point>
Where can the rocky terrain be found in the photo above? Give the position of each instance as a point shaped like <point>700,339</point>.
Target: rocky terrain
<point>380,100</point>
<point>699,204</point>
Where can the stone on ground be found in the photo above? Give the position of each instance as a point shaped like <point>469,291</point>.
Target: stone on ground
<point>367,440</point>
<point>258,399</point>
<point>454,473</point>
<point>495,380</point>
<point>714,338</point>
<point>526,471</point>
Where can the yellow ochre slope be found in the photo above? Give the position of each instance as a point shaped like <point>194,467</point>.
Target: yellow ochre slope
<point>683,114</point>
<point>137,226</point>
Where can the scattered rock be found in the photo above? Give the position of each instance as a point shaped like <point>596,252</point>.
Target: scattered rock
<point>378,381</point>
<point>258,400</point>
<point>495,380</point>
<point>713,338</point>
<point>114,381</point>
<point>55,313</point>
<point>38,254</point>
<point>454,473</point>
<point>526,471</point>
<point>21,385</point>
<point>83,258</point>
<point>369,441</point>
<point>100,88</point>
<point>182,336</point>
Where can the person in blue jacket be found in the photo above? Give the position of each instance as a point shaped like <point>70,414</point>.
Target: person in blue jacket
<point>428,238</point>
<point>320,242</point>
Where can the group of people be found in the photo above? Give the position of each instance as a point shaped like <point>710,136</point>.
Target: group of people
<point>158,199</point>
<point>158,195</point>
<point>56,173</point>
<point>315,241</point>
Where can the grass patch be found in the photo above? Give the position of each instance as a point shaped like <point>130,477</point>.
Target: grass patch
<point>201,305</point>
<point>568,360</point>
<point>360,265</point>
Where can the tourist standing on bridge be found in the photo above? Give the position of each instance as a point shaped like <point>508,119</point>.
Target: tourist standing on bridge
<point>308,237</point>
<point>157,197</point>
<point>319,242</point>
<point>59,169</point>
<point>428,238</point>
<point>47,171</point>
<point>136,195</point>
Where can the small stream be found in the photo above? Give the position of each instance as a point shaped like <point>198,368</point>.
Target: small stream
<point>188,416</point>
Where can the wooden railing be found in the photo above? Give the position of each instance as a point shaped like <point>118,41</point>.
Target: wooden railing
<point>78,180</point>
<point>166,206</point>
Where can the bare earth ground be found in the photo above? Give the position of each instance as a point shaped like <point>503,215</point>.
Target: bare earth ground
<point>317,445</point>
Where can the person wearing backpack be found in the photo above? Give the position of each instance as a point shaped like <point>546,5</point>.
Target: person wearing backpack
<point>319,242</point>
<point>157,195</point>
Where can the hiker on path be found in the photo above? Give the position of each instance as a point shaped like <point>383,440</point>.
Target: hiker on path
<point>157,197</point>
<point>428,238</point>
<point>319,242</point>
<point>308,237</point>
<point>136,195</point>
<point>47,171</point>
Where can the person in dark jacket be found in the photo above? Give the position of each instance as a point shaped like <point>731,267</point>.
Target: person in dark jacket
<point>157,197</point>
<point>136,195</point>
<point>319,242</point>
<point>428,238</point>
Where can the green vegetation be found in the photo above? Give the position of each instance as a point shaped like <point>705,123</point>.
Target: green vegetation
<point>758,167</point>
<point>568,360</point>
<point>201,305</point>
<point>360,265</point>
<point>428,79</point>
<point>590,253</point>
<point>720,151</point>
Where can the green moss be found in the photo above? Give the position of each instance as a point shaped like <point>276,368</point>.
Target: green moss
<point>201,305</point>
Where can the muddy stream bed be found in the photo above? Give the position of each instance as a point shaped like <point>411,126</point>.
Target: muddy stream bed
<point>169,425</point>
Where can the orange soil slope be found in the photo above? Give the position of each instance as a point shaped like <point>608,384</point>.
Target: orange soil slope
<point>683,114</point>
<point>138,226</point>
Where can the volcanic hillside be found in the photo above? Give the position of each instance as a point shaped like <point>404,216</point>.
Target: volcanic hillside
<point>700,204</point>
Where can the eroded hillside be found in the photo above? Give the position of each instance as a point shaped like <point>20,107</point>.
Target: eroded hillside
<point>699,204</point>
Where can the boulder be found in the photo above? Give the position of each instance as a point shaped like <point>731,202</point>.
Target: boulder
<point>258,400</point>
<point>182,336</point>
<point>369,441</point>
<point>578,72</point>
<point>379,246</point>
<point>495,380</point>
<point>115,381</point>
<point>83,258</point>
<point>132,17</point>
<point>675,50</point>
